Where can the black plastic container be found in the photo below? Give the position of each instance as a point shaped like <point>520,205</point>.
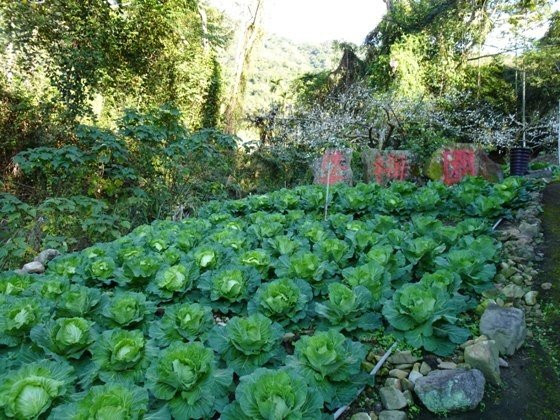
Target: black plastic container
<point>519,158</point>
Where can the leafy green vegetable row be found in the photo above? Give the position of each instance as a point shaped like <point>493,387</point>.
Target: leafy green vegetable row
<point>135,328</point>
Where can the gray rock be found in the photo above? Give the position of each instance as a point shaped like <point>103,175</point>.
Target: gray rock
<point>409,397</point>
<point>404,366</point>
<point>360,416</point>
<point>503,363</point>
<point>402,358</point>
<point>392,398</point>
<point>397,373</point>
<point>393,383</point>
<point>529,230</point>
<point>447,365</point>
<point>413,376</point>
<point>531,298</point>
<point>513,291</point>
<point>45,256</point>
<point>407,384</point>
<point>392,415</point>
<point>34,267</point>
<point>546,286</point>
<point>425,368</point>
<point>484,356</point>
<point>506,326</point>
<point>444,391</point>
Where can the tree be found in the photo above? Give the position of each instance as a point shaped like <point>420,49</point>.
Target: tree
<point>423,46</point>
<point>133,53</point>
<point>250,33</point>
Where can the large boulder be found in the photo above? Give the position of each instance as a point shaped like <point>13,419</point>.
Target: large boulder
<point>484,356</point>
<point>445,391</point>
<point>451,164</point>
<point>385,166</point>
<point>506,326</point>
<point>333,167</point>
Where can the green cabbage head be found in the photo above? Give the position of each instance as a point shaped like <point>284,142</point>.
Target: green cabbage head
<point>185,375</point>
<point>31,390</point>
<point>274,394</point>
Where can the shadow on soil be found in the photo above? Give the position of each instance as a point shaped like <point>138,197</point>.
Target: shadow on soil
<point>531,388</point>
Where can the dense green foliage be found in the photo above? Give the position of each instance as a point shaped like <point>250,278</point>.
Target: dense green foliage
<point>118,319</point>
<point>106,181</point>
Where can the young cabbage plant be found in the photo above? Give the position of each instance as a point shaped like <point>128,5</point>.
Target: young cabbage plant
<point>427,317</point>
<point>313,230</point>
<point>31,390</point>
<point>173,280</point>
<point>285,301</point>
<point>208,257</point>
<point>348,309</point>
<point>230,287</point>
<point>393,261</point>
<point>66,265</point>
<point>106,402</point>
<point>182,322</point>
<point>442,279</point>
<point>258,259</point>
<point>231,237</point>
<point>334,250</point>
<point>125,309</point>
<point>331,364</point>
<point>15,284</point>
<point>121,356</point>
<point>101,269</point>
<point>77,301</point>
<point>274,394</point>
<point>471,266</point>
<point>247,343</point>
<point>373,277</point>
<point>286,245</point>
<point>67,337</point>
<point>420,252</point>
<point>265,226</point>
<point>306,266</point>
<point>17,316</point>
<point>186,377</point>
<point>51,287</point>
<point>140,269</point>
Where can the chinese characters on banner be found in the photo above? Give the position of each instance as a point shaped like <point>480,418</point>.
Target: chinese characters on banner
<point>333,168</point>
<point>458,163</point>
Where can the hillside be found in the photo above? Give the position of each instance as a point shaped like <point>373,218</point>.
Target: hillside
<point>278,62</point>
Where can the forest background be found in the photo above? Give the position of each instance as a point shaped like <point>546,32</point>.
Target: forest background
<point>115,113</point>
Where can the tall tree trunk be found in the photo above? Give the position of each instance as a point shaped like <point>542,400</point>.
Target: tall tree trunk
<point>251,33</point>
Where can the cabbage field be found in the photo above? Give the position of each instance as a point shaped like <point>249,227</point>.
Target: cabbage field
<point>190,319</point>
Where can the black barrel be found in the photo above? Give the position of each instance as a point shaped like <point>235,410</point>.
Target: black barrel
<point>519,160</point>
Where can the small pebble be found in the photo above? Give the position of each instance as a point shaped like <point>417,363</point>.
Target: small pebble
<point>447,365</point>
<point>397,373</point>
<point>393,383</point>
<point>425,368</point>
<point>546,286</point>
<point>361,416</point>
<point>414,376</point>
<point>503,363</point>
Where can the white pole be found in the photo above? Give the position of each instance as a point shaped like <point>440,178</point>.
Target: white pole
<point>523,111</point>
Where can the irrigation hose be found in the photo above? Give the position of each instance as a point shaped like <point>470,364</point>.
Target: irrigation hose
<point>497,224</point>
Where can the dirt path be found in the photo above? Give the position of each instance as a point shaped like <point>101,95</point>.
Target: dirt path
<point>531,387</point>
